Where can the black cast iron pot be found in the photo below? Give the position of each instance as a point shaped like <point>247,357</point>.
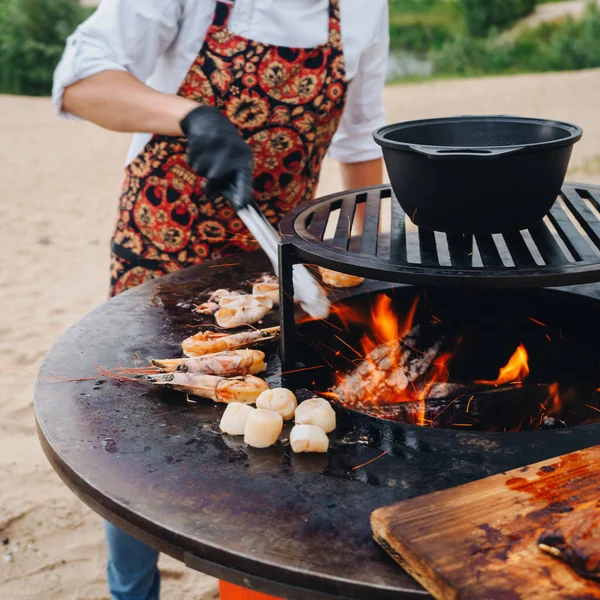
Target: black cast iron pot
<point>486,174</point>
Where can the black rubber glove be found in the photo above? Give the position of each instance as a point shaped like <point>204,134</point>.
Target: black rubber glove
<point>218,152</point>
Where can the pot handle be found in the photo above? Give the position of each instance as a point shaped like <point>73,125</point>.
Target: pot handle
<point>436,152</point>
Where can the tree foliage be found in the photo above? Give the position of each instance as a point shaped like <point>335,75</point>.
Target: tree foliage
<point>32,39</point>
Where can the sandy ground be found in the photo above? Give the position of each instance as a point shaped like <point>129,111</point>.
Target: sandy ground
<point>57,212</point>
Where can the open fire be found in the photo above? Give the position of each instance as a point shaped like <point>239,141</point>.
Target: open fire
<point>410,367</point>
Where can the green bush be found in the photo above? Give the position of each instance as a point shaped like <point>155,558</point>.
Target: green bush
<point>422,25</point>
<point>483,16</point>
<point>560,46</point>
<point>419,35</point>
<point>32,39</point>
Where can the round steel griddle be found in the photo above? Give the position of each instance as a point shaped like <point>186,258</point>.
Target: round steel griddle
<point>295,526</point>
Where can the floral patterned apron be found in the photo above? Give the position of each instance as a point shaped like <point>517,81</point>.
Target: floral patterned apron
<point>286,103</point>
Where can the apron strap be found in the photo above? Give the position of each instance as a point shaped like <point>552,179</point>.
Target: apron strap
<point>134,259</point>
<point>334,23</point>
<point>222,12</point>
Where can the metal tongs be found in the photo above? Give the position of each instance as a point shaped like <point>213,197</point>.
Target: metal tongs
<point>307,292</point>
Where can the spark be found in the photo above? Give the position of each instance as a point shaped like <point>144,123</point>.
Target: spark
<point>469,403</point>
<point>548,338</point>
<point>227,265</point>
<point>449,405</point>
<point>462,425</point>
<point>537,322</point>
<point>302,369</point>
<point>371,461</point>
<point>349,346</point>
<point>593,407</point>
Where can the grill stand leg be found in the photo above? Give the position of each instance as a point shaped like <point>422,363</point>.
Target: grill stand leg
<point>286,308</point>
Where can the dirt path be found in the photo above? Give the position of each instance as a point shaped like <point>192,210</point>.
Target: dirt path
<point>555,10</point>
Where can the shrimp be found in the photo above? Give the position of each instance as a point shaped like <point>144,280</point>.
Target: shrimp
<point>219,389</point>
<point>339,280</point>
<point>215,301</point>
<point>242,310</point>
<point>210,342</point>
<point>267,286</point>
<point>226,364</point>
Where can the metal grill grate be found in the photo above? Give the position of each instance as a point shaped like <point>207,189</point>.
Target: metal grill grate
<point>365,232</point>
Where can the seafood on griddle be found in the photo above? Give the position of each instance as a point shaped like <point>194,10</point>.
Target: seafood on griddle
<point>242,310</point>
<point>230,363</point>
<point>268,285</point>
<point>219,389</point>
<point>339,280</point>
<point>317,412</point>
<point>308,438</point>
<point>575,539</point>
<point>235,416</point>
<point>212,305</point>
<point>234,309</point>
<point>279,400</point>
<point>211,342</point>
<point>263,428</point>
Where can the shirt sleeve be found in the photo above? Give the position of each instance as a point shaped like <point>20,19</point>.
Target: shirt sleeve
<point>122,35</point>
<point>364,112</point>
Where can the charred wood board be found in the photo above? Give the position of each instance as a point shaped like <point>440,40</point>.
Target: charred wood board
<point>480,540</point>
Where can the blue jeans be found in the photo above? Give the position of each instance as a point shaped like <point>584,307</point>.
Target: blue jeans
<point>132,567</point>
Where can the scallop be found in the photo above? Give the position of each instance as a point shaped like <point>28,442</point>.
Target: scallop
<point>235,417</point>
<point>316,411</point>
<point>263,428</point>
<point>279,400</point>
<point>308,438</point>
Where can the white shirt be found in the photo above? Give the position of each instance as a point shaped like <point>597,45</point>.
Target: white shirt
<point>158,40</point>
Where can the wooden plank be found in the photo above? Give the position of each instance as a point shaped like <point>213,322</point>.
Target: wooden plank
<point>479,541</point>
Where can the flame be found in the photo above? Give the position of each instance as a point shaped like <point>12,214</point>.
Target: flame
<point>385,322</point>
<point>393,370</point>
<point>515,371</point>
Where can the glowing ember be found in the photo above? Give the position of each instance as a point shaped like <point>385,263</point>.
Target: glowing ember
<point>411,367</point>
<point>392,365</point>
<point>515,371</point>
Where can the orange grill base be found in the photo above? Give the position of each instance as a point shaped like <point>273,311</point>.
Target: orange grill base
<point>228,591</point>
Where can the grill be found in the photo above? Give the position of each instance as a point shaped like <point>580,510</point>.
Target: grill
<point>366,233</point>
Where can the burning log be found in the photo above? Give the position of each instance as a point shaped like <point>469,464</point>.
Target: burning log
<point>404,377</point>
<point>387,372</point>
<point>479,408</point>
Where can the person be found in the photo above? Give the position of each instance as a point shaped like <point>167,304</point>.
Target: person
<point>222,98</point>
